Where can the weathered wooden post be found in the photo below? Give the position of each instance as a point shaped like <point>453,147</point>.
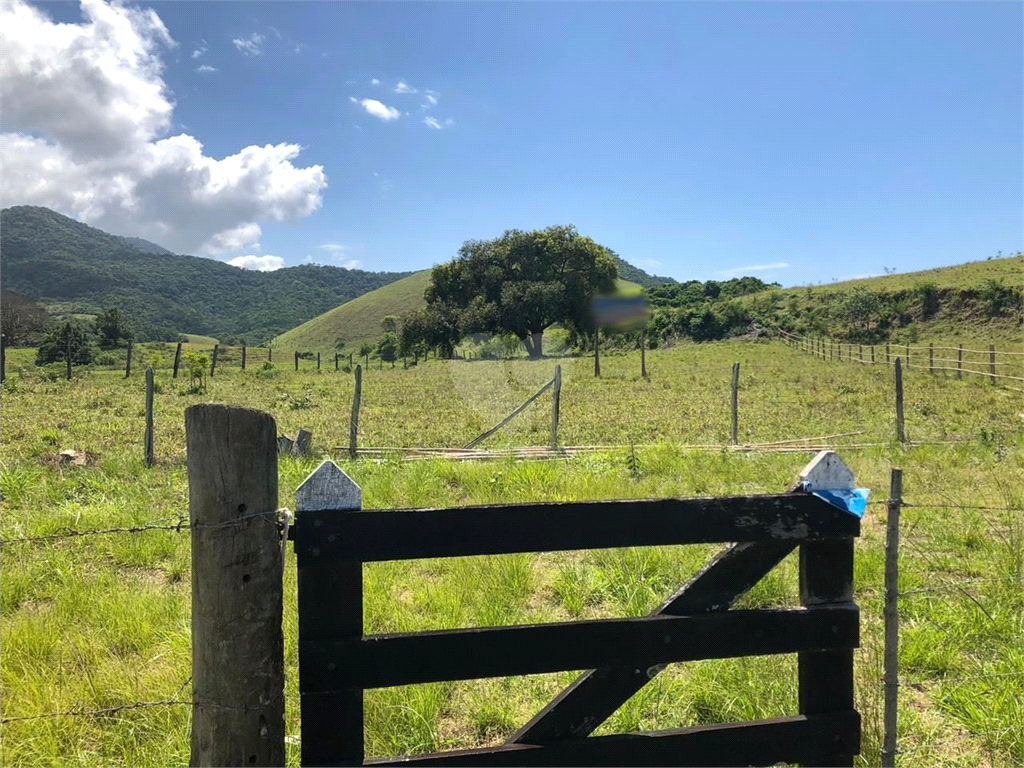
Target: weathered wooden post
<point>556,402</point>
<point>992,363</point>
<point>872,354</point>
<point>237,595</point>
<point>128,363</point>
<point>332,723</point>
<point>336,356</point>
<point>960,361</point>
<point>931,359</point>
<point>907,358</point>
<point>177,361</point>
<point>831,350</point>
<point>67,349</point>
<point>887,354</point>
<point>860,351</point>
<point>213,363</point>
<point>597,353</point>
<point>3,357</point>
<point>303,439</point>
<point>405,363</point>
<point>148,441</point>
<point>643,353</point>
<point>349,359</point>
<point>892,618</point>
<point>826,577</point>
<point>270,354</point>
<point>900,435</point>
<point>318,361</point>
<point>353,424</point>
<point>735,402</point>
<point>296,360</point>
<point>243,357</point>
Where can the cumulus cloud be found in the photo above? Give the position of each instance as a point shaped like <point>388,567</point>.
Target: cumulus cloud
<point>259,263</point>
<point>205,68</point>
<point>375,81</point>
<point>431,99</point>
<point>86,113</point>
<point>250,46</point>
<point>431,122</point>
<point>379,110</point>
<point>404,87</point>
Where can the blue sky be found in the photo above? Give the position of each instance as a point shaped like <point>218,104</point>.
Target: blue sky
<point>698,140</point>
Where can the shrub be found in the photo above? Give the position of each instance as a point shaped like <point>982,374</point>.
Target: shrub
<point>928,296</point>
<point>995,297</point>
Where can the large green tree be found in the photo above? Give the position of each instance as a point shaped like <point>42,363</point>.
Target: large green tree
<point>523,282</point>
<point>112,326</point>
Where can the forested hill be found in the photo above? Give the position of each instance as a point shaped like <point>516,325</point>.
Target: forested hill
<point>68,266</point>
<point>636,275</point>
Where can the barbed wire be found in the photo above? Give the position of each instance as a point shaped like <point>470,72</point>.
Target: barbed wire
<point>954,739</point>
<point>965,678</point>
<point>182,525</point>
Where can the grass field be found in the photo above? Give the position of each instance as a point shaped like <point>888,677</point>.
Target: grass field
<point>96,622</point>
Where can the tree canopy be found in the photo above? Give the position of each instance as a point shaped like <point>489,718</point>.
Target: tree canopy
<point>520,283</point>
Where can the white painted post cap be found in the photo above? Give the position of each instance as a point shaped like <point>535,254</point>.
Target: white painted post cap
<point>328,488</point>
<point>827,472</point>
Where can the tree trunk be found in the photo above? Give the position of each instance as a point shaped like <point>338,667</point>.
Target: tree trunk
<point>534,345</point>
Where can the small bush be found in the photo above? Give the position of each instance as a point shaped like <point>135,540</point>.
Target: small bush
<point>928,297</point>
<point>105,359</point>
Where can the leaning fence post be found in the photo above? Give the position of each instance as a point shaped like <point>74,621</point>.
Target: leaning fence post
<point>237,595</point>
<point>992,363</point>
<point>555,405</point>
<point>826,576</point>
<point>177,361</point>
<point>331,723</point>
<point>892,617</point>
<point>735,401</point>
<point>900,435</point>
<point>148,442</point>
<point>353,424</point>
<point>960,361</point>
<point>213,363</point>
<point>128,363</point>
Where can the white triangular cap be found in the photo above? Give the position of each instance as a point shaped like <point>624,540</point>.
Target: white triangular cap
<point>827,472</point>
<point>328,488</point>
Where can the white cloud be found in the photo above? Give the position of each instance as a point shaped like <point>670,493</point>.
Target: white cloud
<point>351,264</point>
<point>449,121</point>
<point>375,81</point>
<point>379,110</point>
<point>259,263</point>
<point>198,52</point>
<point>86,112</point>
<point>353,99</point>
<point>250,46</point>
<point>404,87</point>
<point>650,262</point>
<point>205,68</point>
<point>333,247</point>
<point>753,268</point>
<point>431,100</point>
<point>429,121</point>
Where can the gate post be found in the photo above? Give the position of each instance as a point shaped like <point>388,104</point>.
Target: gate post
<point>826,576</point>
<point>237,603</point>
<point>332,722</point>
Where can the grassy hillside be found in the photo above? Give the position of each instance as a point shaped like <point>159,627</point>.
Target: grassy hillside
<point>72,268</point>
<point>359,320</point>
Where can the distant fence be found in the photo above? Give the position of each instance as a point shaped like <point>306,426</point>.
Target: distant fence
<point>991,363</point>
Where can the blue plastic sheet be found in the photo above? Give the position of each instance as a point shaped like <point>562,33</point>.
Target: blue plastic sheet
<point>854,502</point>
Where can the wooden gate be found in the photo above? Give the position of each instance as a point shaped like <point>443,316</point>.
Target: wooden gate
<point>333,537</point>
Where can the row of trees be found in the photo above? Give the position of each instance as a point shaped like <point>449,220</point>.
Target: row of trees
<point>109,330</point>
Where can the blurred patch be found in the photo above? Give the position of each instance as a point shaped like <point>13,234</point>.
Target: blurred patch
<point>620,313</point>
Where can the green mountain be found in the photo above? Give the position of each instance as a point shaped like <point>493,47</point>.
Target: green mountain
<point>636,275</point>
<point>71,268</point>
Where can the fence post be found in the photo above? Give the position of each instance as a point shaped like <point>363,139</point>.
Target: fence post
<point>213,363</point>
<point>318,361</point>
<point>237,595</point>
<point>128,363</point>
<point>349,359</point>
<point>555,405</point>
<point>643,353</point>
<point>899,402</point>
<point>270,354</point>
<point>931,358</point>
<point>860,349</point>
<point>148,442</point>
<point>336,356</point>
<point>177,361</point>
<point>735,401</point>
<point>892,617</point>
<point>67,350</point>
<point>296,360</point>
<point>886,354</point>
<point>353,424</point>
<point>907,358</point>
<point>332,723</point>
<point>597,353</point>
<point>872,354</point>
<point>826,576</point>
<point>243,357</point>
<point>960,362</point>
<point>831,350</point>
<point>992,363</point>
<point>3,357</point>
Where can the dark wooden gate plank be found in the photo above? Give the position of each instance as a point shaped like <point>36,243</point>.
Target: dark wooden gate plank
<point>593,697</point>
<point>408,534</point>
<point>382,661</point>
<point>763,742</point>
